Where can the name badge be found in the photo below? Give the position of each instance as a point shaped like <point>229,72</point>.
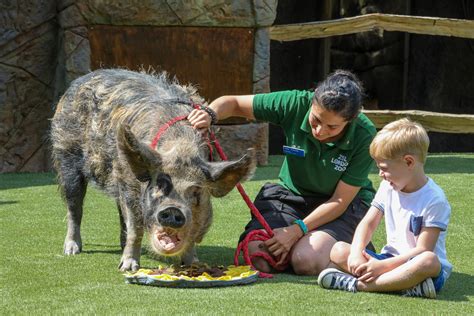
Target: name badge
<point>287,150</point>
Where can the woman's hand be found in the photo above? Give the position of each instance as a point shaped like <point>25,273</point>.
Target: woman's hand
<point>282,241</point>
<point>199,119</point>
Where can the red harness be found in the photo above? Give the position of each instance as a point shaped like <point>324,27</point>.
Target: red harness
<point>168,124</point>
<point>255,235</point>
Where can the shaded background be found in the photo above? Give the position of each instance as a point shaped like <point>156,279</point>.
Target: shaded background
<point>399,71</point>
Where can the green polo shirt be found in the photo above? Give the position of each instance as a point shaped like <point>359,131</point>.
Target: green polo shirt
<point>323,164</point>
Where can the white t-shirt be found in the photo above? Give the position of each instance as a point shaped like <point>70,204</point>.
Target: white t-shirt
<point>406,213</point>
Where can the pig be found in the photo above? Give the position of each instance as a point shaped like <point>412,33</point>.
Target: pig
<point>101,133</point>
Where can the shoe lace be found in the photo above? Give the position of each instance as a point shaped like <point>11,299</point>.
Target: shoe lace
<point>415,291</point>
<point>344,282</point>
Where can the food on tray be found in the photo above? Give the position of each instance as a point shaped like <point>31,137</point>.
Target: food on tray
<point>195,272</point>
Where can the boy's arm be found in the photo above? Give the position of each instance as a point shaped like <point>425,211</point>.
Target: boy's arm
<point>362,237</point>
<point>426,242</point>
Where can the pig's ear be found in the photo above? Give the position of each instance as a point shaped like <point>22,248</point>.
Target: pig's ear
<point>141,159</point>
<point>223,176</point>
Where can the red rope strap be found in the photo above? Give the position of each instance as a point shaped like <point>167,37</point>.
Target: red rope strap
<point>163,129</point>
<point>168,124</point>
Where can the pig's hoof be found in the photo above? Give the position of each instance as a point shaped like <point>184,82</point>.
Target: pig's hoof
<point>72,248</point>
<point>129,264</point>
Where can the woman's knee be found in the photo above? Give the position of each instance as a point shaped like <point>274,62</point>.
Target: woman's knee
<point>305,263</point>
<point>308,262</point>
<point>311,254</point>
<point>259,262</point>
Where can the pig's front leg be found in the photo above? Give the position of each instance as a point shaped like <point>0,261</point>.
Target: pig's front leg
<point>131,253</point>
<point>189,257</point>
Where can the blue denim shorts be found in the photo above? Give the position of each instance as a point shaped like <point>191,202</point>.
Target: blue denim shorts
<point>438,281</point>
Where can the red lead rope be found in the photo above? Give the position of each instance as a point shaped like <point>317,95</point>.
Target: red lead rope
<point>255,235</point>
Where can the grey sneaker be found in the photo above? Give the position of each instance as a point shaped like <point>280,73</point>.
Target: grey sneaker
<point>423,289</point>
<point>334,279</point>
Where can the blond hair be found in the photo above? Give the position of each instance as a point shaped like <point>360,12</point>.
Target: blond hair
<point>399,138</point>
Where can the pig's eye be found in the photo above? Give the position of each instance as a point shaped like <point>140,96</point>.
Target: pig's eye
<point>163,182</point>
<point>193,194</point>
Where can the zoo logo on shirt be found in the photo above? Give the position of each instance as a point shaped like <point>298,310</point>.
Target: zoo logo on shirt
<point>340,163</point>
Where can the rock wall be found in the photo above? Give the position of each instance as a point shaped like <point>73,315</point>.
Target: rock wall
<point>44,46</point>
<point>28,51</point>
<point>75,16</point>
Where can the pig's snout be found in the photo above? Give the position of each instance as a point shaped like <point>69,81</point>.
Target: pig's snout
<point>171,217</point>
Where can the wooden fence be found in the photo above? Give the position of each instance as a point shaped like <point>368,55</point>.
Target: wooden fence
<point>432,121</point>
<point>375,21</point>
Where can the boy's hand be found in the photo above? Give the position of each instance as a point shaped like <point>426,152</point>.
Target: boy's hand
<point>370,270</point>
<point>354,261</point>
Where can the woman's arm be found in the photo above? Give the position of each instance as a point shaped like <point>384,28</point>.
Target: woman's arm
<point>284,238</point>
<point>334,207</point>
<point>224,107</point>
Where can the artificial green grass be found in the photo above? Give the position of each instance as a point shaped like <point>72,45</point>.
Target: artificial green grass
<point>37,278</point>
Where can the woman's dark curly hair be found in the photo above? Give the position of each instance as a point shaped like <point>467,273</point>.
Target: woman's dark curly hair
<point>341,92</point>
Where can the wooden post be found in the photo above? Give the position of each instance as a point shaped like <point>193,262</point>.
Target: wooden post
<point>406,58</point>
<point>326,43</point>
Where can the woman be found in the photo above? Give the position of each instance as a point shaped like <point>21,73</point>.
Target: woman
<point>324,190</point>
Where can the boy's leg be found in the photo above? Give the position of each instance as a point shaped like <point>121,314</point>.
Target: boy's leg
<point>441,278</point>
<point>406,276</point>
<point>339,254</point>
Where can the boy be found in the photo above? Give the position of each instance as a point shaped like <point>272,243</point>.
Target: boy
<point>416,217</point>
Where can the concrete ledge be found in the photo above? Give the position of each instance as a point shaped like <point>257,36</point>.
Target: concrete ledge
<point>235,139</point>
